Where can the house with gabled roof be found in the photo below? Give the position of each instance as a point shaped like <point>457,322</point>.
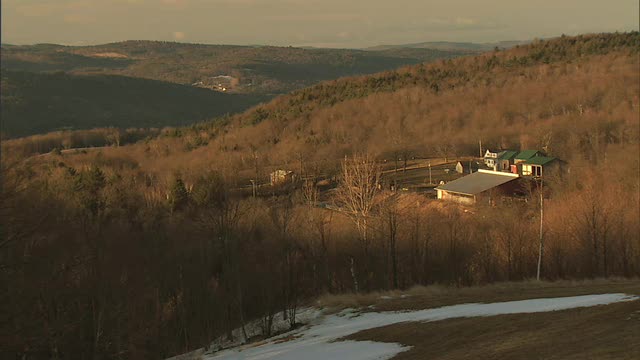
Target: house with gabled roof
<point>490,158</point>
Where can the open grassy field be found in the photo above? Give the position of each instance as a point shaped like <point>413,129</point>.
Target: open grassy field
<point>601,332</point>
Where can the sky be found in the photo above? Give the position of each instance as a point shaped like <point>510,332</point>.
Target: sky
<point>320,23</point>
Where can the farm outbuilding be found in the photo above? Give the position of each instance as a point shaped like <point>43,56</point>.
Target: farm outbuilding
<point>479,186</point>
<point>505,160</point>
<point>526,155</point>
<point>281,177</point>
<point>466,167</point>
<point>536,165</point>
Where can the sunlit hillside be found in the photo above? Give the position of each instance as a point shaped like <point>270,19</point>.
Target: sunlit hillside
<point>156,245</point>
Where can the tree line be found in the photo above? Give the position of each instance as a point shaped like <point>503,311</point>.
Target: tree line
<point>101,264</point>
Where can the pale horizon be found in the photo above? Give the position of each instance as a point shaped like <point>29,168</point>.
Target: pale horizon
<point>327,23</point>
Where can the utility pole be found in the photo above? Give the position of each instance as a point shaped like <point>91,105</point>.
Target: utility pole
<point>480,142</point>
<point>541,244</point>
<point>301,168</point>
<point>253,187</point>
<point>430,181</point>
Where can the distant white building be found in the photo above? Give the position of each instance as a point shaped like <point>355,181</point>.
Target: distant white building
<point>466,167</point>
<point>281,177</point>
<point>491,158</point>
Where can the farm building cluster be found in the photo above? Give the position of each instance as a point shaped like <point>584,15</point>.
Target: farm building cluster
<point>501,174</point>
<point>498,175</point>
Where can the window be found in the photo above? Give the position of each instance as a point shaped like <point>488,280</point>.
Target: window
<point>537,170</point>
<point>531,170</point>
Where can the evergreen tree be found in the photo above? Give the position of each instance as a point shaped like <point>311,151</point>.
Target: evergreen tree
<point>178,195</point>
<point>89,184</point>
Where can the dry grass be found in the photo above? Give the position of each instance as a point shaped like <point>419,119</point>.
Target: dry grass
<point>421,297</point>
<point>600,332</point>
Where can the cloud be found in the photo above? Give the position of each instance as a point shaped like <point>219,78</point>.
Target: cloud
<point>179,35</point>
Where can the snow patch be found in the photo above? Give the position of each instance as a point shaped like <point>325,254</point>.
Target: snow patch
<point>317,340</point>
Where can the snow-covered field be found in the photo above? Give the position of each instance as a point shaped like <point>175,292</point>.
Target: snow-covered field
<point>316,340</point>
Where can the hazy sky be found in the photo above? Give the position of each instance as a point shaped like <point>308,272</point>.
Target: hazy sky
<point>326,23</point>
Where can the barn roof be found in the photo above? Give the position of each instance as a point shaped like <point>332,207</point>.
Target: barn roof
<point>478,182</point>
<point>508,155</point>
<point>527,154</point>
<point>540,160</point>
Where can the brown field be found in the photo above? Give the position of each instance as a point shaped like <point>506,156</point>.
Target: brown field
<point>601,332</point>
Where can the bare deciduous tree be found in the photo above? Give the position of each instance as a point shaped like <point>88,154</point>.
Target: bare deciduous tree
<point>357,196</point>
<point>357,193</point>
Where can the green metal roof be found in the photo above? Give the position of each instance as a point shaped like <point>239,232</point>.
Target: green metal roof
<point>508,155</point>
<point>526,154</point>
<point>540,160</point>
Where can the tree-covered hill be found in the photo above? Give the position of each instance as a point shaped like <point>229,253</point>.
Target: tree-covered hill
<point>569,96</point>
<point>37,103</point>
<point>118,249</point>
<point>254,69</point>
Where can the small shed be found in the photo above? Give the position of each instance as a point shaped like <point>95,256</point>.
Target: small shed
<point>281,177</point>
<point>484,184</point>
<point>466,167</point>
<point>505,160</point>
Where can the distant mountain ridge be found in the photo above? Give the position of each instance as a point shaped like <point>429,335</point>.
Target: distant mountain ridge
<point>453,46</point>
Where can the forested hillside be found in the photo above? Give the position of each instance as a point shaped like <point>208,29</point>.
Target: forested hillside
<point>35,103</point>
<point>50,87</point>
<point>255,69</point>
<point>151,249</point>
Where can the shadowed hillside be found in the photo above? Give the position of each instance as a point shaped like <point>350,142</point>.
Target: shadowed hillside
<point>37,103</point>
